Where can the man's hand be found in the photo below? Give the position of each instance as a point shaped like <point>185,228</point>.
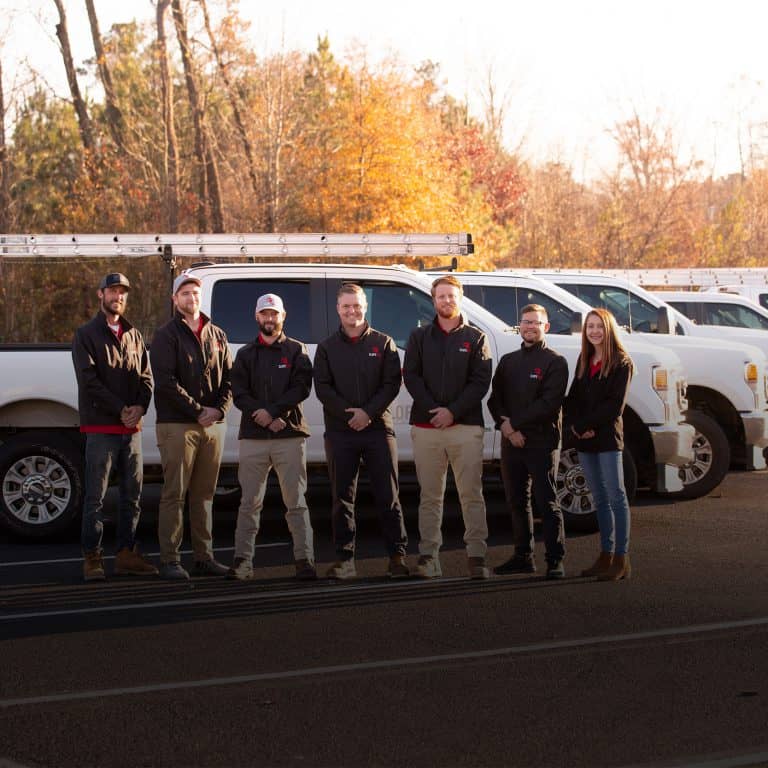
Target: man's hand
<point>262,417</point>
<point>209,416</point>
<point>277,425</point>
<point>441,418</point>
<point>590,433</point>
<point>131,416</point>
<point>506,428</point>
<point>517,438</point>
<point>359,420</point>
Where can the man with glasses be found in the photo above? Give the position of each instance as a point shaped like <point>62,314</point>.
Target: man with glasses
<point>527,394</point>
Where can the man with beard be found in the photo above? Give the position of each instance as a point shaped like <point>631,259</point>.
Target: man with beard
<point>527,394</point>
<point>271,377</point>
<point>357,376</point>
<point>447,370</point>
<point>191,363</point>
<point>114,390</point>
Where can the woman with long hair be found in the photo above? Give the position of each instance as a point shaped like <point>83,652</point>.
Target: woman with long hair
<point>593,417</point>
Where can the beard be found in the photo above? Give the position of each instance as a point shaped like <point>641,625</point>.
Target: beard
<point>448,313</point>
<point>113,307</point>
<point>271,328</point>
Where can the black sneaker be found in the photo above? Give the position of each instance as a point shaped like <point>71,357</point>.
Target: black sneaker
<point>555,569</point>
<point>516,564</point>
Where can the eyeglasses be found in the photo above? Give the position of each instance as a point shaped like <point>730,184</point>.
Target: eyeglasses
<point>531,322</point>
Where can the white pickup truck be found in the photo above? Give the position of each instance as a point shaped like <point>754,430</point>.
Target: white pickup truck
<point>41,450</point>
<point>725,369</point>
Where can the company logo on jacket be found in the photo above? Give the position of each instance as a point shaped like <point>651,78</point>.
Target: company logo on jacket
<point>375,352</point>
<point>284,363</point>
<point>465,347</point>
<point>536,374</point>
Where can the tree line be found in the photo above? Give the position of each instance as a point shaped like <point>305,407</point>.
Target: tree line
<point>193,131</point>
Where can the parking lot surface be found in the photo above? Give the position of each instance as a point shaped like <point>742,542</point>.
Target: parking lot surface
<point>667,669</point>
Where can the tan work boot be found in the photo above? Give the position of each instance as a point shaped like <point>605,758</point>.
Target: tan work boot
<point>398,568</point>
<point>478,568</point>
<point>128,562</point>
<point>93,567</point>
<point>601,565</point>
<point>618,570</point>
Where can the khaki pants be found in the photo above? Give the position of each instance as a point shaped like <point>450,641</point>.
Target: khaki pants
<point>461,446</point>
<point>190,455</point>
<point>288,457</point>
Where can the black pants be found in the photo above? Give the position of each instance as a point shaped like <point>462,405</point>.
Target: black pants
<point>531,471</point>
<point>344,451</point>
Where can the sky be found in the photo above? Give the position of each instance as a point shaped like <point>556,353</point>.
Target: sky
<point>569,69</point>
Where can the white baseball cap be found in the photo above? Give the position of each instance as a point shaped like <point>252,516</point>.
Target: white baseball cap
<point>183,279</point>
<point>270,301</point>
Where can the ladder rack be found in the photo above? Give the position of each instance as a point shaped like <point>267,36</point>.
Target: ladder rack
<point>694,277</point>
<point>252,245</point>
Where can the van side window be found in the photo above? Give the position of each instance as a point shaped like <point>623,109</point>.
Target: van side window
<point>397,309</point>
<point>233,306</point>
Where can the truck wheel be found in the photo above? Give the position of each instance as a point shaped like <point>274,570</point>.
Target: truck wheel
<point>42,486</point>
<point>574,496</point>
<point>711,458</point>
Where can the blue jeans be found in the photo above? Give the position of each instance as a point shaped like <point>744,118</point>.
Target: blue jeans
<point>102,453</point>
<point>605,478</point>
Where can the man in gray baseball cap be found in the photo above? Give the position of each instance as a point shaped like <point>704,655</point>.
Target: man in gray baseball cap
<point>191,364</point>
<point>113,279</point>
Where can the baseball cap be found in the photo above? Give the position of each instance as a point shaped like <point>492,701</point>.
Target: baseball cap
<point>114,278</point>
<point>185,278</point>
<point>270,301</point>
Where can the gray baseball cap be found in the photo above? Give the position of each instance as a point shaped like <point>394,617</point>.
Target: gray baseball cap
<point>114,278</point>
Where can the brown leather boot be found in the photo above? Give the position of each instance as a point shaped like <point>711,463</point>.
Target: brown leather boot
<point>93,566</point>
<point>601,565</point>
<point>618,570</point>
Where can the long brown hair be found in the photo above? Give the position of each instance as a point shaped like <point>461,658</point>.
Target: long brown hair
<point>614,353</point>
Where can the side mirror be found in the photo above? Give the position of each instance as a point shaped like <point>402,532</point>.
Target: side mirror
<point>577,320</point>
<point>662,320</point>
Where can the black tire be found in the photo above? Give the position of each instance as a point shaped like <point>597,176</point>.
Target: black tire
<point>574,496</point>
<point>712,458</point>
<point>41,484</point>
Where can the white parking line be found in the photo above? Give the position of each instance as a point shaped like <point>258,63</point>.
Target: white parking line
<point>112,557</point>
<point>556,645</point>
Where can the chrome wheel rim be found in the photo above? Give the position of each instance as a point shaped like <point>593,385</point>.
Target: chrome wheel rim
<point>36,490</point>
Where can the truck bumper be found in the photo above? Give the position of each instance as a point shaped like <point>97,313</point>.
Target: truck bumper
<point>673,447</point>
<point>755,438</point>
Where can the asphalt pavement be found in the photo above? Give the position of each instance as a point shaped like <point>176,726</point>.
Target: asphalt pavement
<point>667,669</point>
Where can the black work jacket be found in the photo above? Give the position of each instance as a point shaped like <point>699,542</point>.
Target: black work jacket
<point>528,388</point>
<point>276,377</point>
<point>450,370</point>
<point>111,374</point>
<point>190,373</point>
<point>357,374</point>
<point>597,403</point>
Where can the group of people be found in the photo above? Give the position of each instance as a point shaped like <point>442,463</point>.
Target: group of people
<point>356,374</point>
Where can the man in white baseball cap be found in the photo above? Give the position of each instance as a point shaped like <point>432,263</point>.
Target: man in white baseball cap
<point>271,377</point>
